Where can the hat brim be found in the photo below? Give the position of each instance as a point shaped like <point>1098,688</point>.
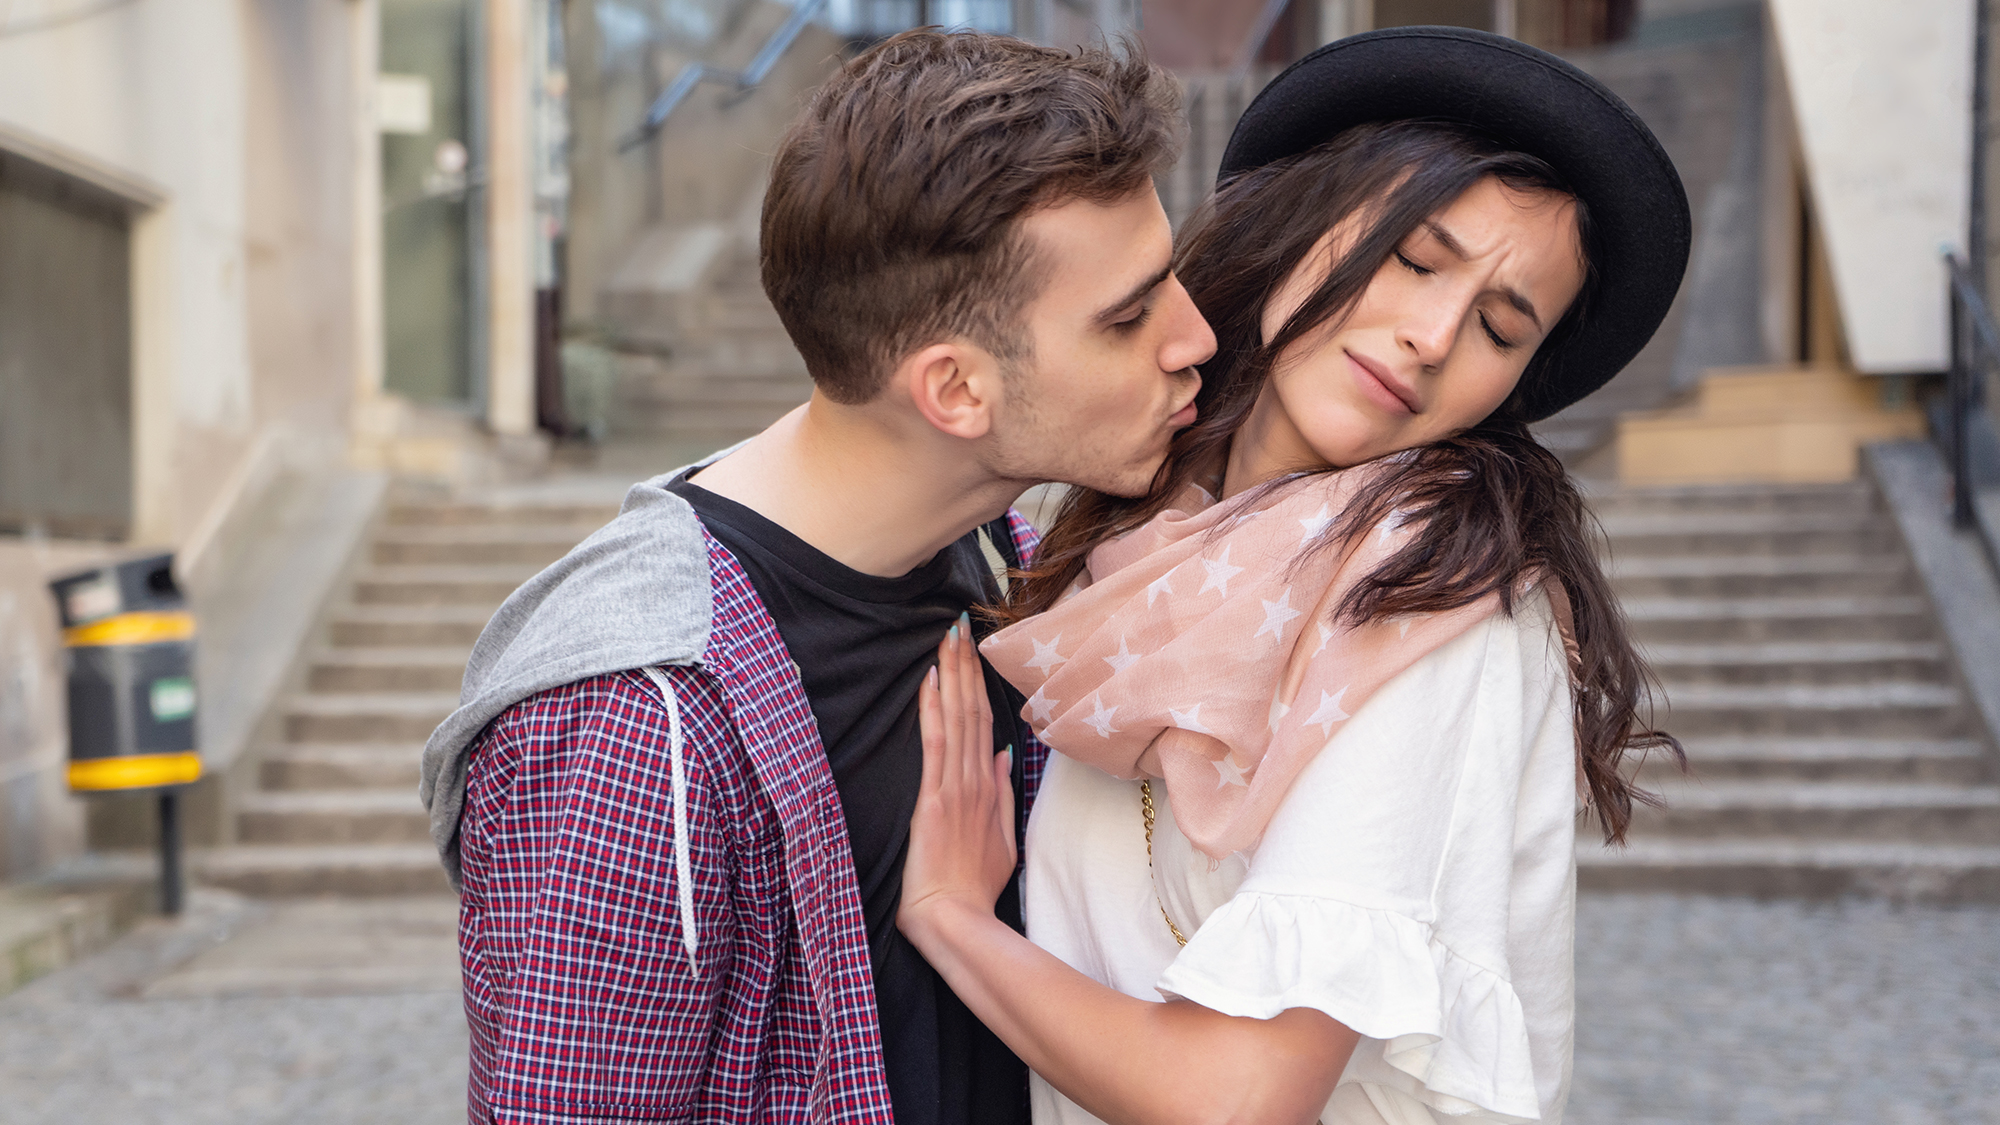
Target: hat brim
<point>1528,100</point>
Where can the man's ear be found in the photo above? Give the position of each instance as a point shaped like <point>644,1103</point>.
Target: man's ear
<point>954,385</point>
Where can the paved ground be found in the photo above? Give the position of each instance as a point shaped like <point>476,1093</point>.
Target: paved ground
<point>1716,1011</point>
<point>1691,1011</point>
<point>314,1013</point>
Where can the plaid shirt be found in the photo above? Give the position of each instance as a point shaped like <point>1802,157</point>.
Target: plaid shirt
<point>583,1001</point>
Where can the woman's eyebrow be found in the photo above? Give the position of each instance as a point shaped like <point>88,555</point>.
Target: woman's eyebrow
<point>1456,249</point>
<point>1137,293</point>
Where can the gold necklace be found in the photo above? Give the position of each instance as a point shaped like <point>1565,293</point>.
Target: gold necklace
<point>1146,808</point>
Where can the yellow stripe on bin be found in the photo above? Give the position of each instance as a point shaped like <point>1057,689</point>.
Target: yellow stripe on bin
<point>135,771</point>
<point>131,629</point>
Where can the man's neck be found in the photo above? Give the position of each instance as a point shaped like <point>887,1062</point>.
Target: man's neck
<point>871,497</point>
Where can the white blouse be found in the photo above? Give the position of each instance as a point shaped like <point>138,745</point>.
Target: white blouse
<point>1418,885</point>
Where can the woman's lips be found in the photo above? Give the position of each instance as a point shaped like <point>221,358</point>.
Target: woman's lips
<point>1381,388</point>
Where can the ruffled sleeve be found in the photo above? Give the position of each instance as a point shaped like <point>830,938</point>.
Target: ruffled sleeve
<point>1402,886</point>
<point>1451,1032</point>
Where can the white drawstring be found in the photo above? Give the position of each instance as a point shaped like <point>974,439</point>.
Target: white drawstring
<point>683,864</point>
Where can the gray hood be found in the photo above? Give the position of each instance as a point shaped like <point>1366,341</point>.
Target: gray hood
<point>633,595</point>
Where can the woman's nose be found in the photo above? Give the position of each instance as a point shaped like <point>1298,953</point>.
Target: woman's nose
<point>1430,331</point>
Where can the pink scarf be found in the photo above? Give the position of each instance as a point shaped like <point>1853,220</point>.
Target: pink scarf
<point>1200,649</point>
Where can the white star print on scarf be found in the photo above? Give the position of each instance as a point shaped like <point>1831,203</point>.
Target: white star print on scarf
<point>1231,687</point>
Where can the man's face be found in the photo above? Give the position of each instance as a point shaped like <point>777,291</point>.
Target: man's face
<point>1115,340</point>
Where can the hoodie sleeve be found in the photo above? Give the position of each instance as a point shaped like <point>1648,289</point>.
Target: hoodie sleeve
<point>591,990</point>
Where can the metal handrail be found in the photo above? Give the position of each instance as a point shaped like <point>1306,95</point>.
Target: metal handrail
<point>1260,33</point>
<point>743,81</point>
<point>1975,349</point>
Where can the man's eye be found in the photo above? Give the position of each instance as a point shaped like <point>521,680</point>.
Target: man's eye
<point>1133,322</point>
<point>1420,271</point>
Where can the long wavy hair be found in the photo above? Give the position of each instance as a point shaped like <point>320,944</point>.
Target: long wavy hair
<point>1491,504</point>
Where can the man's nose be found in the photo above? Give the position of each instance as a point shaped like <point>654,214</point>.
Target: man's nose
<point>1189,341</point>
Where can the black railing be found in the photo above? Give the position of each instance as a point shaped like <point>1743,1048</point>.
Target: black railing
<point>1975,352</point>
<point>742,81</point>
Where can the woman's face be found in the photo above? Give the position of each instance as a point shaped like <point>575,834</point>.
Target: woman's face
<point>1435,344</point>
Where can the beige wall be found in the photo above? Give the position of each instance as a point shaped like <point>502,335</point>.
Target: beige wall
<point>1882,95</point>
<point>229,124</point>
<point>40,823</point>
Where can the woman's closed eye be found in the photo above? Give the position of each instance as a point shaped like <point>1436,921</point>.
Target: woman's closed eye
<point>1499,341</point>
<point>1411,265</point>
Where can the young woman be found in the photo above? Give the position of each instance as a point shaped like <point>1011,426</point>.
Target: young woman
<point>1326,701</point>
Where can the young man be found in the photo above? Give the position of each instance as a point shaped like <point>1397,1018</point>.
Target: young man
<point>677,796</point>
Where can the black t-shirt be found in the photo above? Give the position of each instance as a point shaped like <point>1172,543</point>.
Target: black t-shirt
<point>863,644</point>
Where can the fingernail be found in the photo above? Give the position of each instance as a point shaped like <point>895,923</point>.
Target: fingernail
<point>952,635</point>
<point>930,677</point>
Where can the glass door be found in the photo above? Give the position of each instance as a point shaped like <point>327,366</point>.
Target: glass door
<point>430,194</point>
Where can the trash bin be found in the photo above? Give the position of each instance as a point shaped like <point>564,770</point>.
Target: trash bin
<point>130,642</point>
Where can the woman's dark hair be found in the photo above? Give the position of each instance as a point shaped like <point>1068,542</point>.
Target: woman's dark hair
<point>1493,506</point>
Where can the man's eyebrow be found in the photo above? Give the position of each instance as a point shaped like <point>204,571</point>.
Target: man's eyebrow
<point>1456,249</point>
<point>1137,293</point>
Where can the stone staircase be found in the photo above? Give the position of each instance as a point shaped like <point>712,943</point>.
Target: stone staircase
<point>1834,749</point>
<point>334,809</point>
<point>728,370</point>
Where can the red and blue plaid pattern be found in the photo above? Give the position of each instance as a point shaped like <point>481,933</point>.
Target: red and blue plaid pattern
<point>583,1003</point>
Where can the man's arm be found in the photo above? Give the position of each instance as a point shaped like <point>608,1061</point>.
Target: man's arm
<point>585,997</point>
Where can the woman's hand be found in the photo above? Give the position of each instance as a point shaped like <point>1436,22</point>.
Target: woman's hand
<point>962,835</point>
<point>1072,1030</point>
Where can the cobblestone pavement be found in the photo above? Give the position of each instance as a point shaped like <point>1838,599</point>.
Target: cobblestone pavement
<point>314,1013</point>
<point>1727,1012</point>
<point>1690,1010</point>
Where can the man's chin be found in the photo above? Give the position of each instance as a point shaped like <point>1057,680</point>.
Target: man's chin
<point>1128,485</point>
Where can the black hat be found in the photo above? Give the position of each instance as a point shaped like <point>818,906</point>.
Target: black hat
<point>1530,101</point>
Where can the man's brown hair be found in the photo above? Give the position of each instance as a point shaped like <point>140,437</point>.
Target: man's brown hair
<point>892,218</point>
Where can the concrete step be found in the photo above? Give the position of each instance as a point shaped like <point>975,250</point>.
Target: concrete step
<point>351,669</point>
<point>1880,709</point>
<point>1850,497</point>
<point>752,352</point>
<point>689,419</point>
<point>729,354</point>
<point>355,869</point>
<point>459,514</point>
<point>1907,812</point>
<point>1776,868</point>
<point>396,717</point>
<point>1799,662</point>
<point>1740,576</point>
<point>334,816</point>
<point>1748,533</point>
<point>70,913</point>
<point>429,626</point>
<point>1569,440</point>
<point>736,314</point>
<point>702,384</point>
<point>1956,761</point>
<point>367,765</point>
<point>478,545</point>
<point>1666,620</point>
<point>485,586</point>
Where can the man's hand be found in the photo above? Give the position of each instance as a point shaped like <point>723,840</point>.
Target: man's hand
<point>962,835</point>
